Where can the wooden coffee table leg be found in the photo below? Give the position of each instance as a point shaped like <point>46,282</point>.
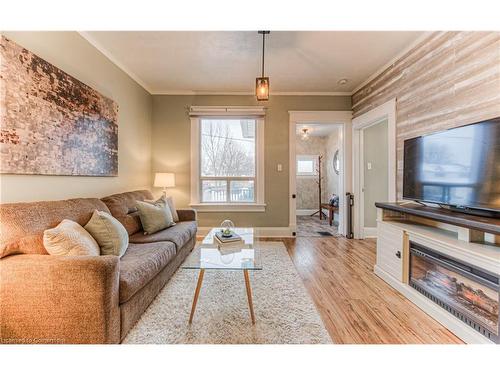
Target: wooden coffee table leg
<point>249,295</point>
<point>196,294</point>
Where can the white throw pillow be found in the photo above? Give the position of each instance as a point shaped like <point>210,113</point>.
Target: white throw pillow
<point>109,233</point>
<point>69,238</point>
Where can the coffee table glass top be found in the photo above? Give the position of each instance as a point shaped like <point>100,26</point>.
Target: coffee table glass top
<point>210,254</point>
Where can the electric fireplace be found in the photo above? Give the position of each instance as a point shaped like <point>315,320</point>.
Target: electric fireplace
<point>469,293</point>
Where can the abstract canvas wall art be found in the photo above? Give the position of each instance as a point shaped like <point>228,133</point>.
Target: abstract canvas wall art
<point>50,122</point>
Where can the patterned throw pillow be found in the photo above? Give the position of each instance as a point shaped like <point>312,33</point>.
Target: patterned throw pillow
<point>155,216</point>
<point>69,238</point>
<point>109,233</point>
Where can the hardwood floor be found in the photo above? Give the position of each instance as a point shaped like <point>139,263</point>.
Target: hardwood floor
<point>356,306</point>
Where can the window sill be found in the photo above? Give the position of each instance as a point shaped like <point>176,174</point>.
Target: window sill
<point>229,207</point>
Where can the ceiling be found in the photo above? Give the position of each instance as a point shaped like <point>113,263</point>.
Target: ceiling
<point>228,62</point>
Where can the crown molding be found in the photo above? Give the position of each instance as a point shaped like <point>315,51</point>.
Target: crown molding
<point>251,93</point>
<point>313,93</point>
<point>411,46</point>
<point>196,92</point>
<point>85,35</point>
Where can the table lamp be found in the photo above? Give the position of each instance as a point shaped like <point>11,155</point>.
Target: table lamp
<point>164,180</point>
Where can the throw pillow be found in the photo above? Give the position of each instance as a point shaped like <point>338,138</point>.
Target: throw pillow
<point>155,216</point>
<point>171,205</point>
<point>109,233</point>
<point>69,238</point>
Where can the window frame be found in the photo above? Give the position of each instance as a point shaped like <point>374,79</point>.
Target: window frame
<point>227,179</point>
<point>308,157</point>
<point>197,115</point>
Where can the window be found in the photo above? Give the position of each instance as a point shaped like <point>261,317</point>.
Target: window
<point>227,160</point>
<point>307,165</point>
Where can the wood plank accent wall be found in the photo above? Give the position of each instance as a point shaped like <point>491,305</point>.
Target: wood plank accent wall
<point>449,79</point>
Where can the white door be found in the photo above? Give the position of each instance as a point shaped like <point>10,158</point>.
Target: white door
<point>374,174</point>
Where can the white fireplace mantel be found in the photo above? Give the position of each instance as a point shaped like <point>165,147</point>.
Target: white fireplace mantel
<point>395,231</point>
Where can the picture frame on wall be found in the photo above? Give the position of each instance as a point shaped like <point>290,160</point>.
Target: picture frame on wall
<point>52,123</point>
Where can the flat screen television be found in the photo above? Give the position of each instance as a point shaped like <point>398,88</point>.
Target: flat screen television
<point>459,168</point>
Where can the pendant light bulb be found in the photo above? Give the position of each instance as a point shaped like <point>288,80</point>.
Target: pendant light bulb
<point>262,82</point>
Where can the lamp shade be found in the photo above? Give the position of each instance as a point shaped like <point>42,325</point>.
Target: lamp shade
<point>164,180</point>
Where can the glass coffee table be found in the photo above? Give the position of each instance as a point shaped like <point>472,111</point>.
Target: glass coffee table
<point>211,255</point>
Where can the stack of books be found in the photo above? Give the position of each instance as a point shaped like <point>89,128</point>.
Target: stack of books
<point>228,244</point>
<point>223,239</point>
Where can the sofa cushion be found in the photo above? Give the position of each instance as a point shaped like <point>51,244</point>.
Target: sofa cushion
<point>23,224</point>
<point>71,239</point>
<point>124,208</point>
<point>155,215</point>
<point>140,264</point>
<point>109,233</point>
<point>171,205</point>
<point>179,234</point>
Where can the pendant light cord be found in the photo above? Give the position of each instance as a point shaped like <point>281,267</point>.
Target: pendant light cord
<point>263,51</point>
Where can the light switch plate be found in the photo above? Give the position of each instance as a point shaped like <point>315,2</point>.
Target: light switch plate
<point>280,168</point>
<point>369,165</point>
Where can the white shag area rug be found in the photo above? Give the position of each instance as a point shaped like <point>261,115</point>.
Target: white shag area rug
<point>284,312</point>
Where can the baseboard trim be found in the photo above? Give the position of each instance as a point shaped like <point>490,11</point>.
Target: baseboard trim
<point>370,232</point>
<point>307,212</point>
<point>259,231</point>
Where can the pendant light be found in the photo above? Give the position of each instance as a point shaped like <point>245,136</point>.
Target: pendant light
<point>262,83</point>
<point>305,134</point>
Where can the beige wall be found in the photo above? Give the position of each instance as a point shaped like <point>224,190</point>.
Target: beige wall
<point>73,54</point>
<point>449,79</point>
<point>376,179</point>
<point>171,148</point>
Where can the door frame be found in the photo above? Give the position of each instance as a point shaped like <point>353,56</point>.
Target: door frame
<point>386,111</point>
<point>343,120</point>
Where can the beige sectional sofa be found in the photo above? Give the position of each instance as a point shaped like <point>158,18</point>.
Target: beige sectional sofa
<point>84,299</point>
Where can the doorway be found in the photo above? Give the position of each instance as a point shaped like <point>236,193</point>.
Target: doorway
<point>317,179</point>
<point>318,169</point>
<point>374,165</point>
<point>374,174</point>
